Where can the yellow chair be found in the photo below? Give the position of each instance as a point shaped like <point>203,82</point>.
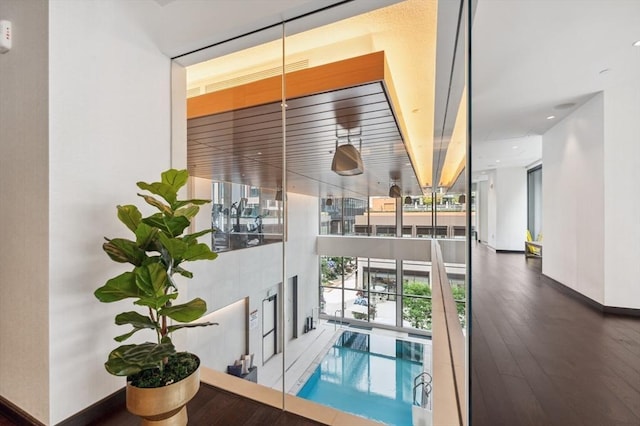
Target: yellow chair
<point>531,250</point>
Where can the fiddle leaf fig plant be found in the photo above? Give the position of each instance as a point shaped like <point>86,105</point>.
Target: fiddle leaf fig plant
<point>156,251</point>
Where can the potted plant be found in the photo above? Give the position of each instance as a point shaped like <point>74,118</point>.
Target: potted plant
<point>160,380</point>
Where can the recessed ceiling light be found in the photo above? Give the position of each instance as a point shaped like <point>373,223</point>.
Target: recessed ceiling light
<point>497,161</point>
<point>636,43</point>
<point>551,117</point>
<point>259,153</point>
<point>515,147</point>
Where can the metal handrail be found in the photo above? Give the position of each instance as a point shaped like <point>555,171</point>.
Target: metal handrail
<point>426,389</point>
<point>424,373</point>
<point>336,321</point>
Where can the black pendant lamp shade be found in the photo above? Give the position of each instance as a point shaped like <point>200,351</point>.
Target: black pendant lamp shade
<point>408,200</point>
<point>347,160</point>
<point>395,191</point>
<point>329,202</point>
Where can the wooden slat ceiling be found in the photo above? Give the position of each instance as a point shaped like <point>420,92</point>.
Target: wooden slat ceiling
<point>246,145</point>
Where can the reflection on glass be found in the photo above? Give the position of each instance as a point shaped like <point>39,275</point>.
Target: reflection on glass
<point>244,216</point>
<point>458,289</point>
<point>340,216</point>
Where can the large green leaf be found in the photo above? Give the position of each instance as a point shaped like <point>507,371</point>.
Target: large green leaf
<point>156,302</point>
<point>174,246</point>
<point>182,203</point>
<point>176,178</point>
<point>124,251</point>
<point>151,279</point>
<point>173,328</point>
<point>186,312</point>
<point>130,216</point>
<point>145,235</point>
<point>138,321</point>
<point>157,204</point>
<point>180,270</point>
<point>115,253</point>
<point>190,238</point>
<point>130,359</point>
<point>118,288</point>
<point>164,190</point>
<point>188,212</point>
<point>173,226</point>
<point>199,252</point>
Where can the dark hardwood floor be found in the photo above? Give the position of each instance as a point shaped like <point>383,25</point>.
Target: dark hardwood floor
<point>540,357</point>
<point>213,406</point>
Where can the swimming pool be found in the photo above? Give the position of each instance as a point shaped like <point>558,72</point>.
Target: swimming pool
<point>368,375</point>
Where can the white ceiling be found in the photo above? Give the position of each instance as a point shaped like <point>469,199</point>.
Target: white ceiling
<point>181,26</point>
<point>531,55</point>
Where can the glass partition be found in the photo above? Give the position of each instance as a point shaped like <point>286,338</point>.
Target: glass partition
<point>235,152</point>
<point>269,123</point>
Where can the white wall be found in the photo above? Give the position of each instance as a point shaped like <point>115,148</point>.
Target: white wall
<point>621,180</point>
<point>24,182</point>
<point>511,217</point>
<point>573,200</point>
<point>302,259</point>
<point>109,127</point>
<point>505,213</point>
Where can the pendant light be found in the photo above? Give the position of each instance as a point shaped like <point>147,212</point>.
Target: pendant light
<point>408,200</point>
<point>395,191</point>
<point>347,160</point>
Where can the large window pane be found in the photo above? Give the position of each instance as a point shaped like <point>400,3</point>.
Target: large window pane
<point>416,299</point>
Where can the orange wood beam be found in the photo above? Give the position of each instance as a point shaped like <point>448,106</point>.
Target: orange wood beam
<point>323,78</point>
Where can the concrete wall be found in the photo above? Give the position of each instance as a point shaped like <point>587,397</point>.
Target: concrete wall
<point>24,191</point>
<point>110,127</point>
<point>573,200</point>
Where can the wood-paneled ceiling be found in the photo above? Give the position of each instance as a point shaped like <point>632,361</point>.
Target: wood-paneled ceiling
<point>245,144</point>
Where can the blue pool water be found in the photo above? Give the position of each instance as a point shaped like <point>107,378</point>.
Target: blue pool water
<point>368,375</point>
